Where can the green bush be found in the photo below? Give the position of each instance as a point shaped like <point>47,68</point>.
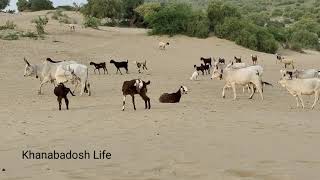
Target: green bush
<point>198,25</point>
<point>92,22</point>
<point>8,25</point>
<point>305,39</point>
<point>10,36</point>
<point>38,5</point>
<point>40,24</point>
<point>230,29</point>
<point>172,19</point>
<point>23,5</point>
<point>29,34</point>
<point>102,9</point>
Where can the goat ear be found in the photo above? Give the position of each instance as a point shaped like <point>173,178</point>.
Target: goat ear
<point>25,60</point>
<point>148,82</point>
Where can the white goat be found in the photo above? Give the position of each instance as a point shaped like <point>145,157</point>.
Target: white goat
<point>299,87</point>
<point>163,45</point>
<point>242,76</point>
<point>194,76</point>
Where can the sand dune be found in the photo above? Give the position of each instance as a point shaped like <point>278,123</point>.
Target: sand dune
<point>203,137</point>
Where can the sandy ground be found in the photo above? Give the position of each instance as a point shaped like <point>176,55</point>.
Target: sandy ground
<point>202,137</point>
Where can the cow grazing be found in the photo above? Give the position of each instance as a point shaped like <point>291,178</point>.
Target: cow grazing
<point>118,65</point>
<point>206,61</point>
<point>99,66</point>
<point>135,86</point>
<point>61,92</point>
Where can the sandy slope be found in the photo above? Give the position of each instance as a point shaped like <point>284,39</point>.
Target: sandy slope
<point>203,137</point>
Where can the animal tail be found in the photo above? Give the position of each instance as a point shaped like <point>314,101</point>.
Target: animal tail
<point>266,83</point>
<point>52,61</point>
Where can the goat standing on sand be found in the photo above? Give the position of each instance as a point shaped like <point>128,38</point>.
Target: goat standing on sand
<point>99,66</point>
<point>238,59</point>
<point>140,65</point>
<point>173,97</point>
<point>135,86</point>
<point>61,92</point>
<point>254,59</point>
<point>163,45</point>
<point>118,65</point>
<point>206,61</point>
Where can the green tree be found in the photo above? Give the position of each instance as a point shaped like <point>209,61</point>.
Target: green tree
<point>38,5</point>
<point>103,9</point>
<point>4,4</point>
<point>23,5</point>
<point>128,7</point>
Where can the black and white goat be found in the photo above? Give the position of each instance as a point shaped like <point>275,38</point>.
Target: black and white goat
<point>238,59</point>
<point>221,60</point>
<point>173,97</point>
<point>118,65</point>
<point>141,65</point>
<point>61,92</point>
<point>135,86</point>
<point>99,66</point>
<point>206,61</point>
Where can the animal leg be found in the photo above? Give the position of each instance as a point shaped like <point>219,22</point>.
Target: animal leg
<point>223,90</point>
<point>59,101</point>
<point>75,86</point>
<point>301,100</point>
<point>297,100</point>
<point>83,86</point>
<point>134,104</point>
<point>123,102</point>
<point>316,99</point>
<point>67,102</point>
<point>252,92</point>
<point>44,81</point>
<point>120,71</point>
<point>146,101</point>
<point>99,71</point>
<point>233,85</point>
<point>94,71</point>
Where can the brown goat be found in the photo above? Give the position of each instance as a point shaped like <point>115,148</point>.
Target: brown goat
<point>135,86</point>
<point>61,92</point>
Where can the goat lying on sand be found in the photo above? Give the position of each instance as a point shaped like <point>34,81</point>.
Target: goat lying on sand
<point>135,86</point>
<point>61,92</point>
<point>173,97</point>
<point>299,87</point>
<point>118,65</point>
<point>99,66</point>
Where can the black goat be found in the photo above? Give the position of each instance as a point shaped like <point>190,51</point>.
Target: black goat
<point>206,68</point>
<point>238,60</point>
<point>61,92</point>
<point>199,68</point>
<point>136,86</point>
<point>99,66</point>
<point>122,64</point>
<point>173,97</point>
<point>206,61</point>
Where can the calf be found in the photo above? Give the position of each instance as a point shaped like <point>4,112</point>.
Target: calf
<point>61,92</point>
<point>118,65</point>
<point>135,86</point>
<point>100,66</point>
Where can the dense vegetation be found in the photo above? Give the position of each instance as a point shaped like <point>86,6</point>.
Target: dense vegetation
<point>34,5</point>
<point>4,4</point>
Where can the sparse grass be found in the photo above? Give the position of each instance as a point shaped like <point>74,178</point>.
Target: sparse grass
<point>8,25</point>
<point>9,35</point>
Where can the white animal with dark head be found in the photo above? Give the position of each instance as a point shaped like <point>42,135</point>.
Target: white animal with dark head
<point>163,45</point>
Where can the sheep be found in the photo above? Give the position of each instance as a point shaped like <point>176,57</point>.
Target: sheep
<point>238,59</point>
<point>194,76</point>
<point>206,61</point>
<point>173,97</point>
<point>118,65</point>
<point>99,66</point>
<point>254,59</point>
<point>301,74</point>
<point>135,86</point>
<point>140,65</point>
<point>299,87</point>
<point>242,76</point>
<point>163,45</point>
<point>61,92</point>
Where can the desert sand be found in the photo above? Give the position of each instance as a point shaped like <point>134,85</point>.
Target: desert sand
<point>204,137</point>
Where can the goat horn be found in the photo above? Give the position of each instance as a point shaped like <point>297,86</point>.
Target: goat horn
<point>25,60</point>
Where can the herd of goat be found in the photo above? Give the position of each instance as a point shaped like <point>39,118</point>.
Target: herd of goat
<point>236,72</point>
